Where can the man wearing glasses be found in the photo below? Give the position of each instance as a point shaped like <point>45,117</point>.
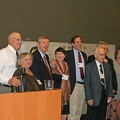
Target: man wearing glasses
<point>8,63</point>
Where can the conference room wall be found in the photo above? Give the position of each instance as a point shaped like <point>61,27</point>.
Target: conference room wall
<point>93,20</point>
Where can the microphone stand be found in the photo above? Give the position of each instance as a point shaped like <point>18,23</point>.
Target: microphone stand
<point>22,73</point>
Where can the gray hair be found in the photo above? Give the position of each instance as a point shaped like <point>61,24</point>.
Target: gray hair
<point>20,58</point>
<point>102,43</point>
<point>12,34</point>
<point>97,49</point>
<point>42,37</point>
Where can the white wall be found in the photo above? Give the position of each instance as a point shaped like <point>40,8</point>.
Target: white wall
<point>87,48</point>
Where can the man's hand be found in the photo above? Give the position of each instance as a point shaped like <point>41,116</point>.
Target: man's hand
<point>90,102</point>
<point>14,81</point>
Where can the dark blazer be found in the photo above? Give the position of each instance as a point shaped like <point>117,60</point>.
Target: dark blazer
<point>71,62</point>
<point>92,82</point>
<point>38,67</point>
<point>110,62</point>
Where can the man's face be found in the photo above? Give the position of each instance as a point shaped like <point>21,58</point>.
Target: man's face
<point>77,44</point>
<point>43,45</point>
<point>15,41</point>
<point>100,55</point>
<point>105,47</point>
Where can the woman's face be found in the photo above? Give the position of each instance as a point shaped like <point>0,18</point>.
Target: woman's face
<point>26,62</point>
<point>118,55</point>
<point>60,56</point>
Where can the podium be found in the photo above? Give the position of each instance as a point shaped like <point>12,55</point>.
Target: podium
<point>40,105</point>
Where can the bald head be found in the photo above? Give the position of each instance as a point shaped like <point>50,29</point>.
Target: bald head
<point>12,35</point>
<point>99,54</point>
<point>15,40</point>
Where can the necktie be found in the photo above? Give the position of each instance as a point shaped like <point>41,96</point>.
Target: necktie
<point>101,72</point>
<point>17,54</point>
<point>17,59</point>
<point>81,68</point>
<point>46,64</point>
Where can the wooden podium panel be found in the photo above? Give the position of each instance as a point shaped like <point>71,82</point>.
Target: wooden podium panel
<point>41,105</point>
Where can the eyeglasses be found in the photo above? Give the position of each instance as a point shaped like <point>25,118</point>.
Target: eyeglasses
<point>105,49</point>
<point>18,39</point>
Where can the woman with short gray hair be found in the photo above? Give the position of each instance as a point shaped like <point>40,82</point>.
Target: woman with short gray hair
<point>25,75</point>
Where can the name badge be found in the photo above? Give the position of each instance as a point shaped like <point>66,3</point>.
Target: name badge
<point>39,82</point>
<point>80,65</point>
<point>102,76</point>
<point>65,77</point>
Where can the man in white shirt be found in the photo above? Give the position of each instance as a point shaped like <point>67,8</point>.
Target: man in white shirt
<point>8,63</point>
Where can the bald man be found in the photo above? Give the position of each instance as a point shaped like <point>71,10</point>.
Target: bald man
<point>98,86</point>
<point>8,61</point>
<point>91,58</point>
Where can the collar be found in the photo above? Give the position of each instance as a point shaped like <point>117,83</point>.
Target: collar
<point>12,49</point>
<point>41,53</point>
<point>98,63</point>
<point>76,51</point>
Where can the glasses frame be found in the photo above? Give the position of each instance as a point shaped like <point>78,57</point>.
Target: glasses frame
<point>18,39</point>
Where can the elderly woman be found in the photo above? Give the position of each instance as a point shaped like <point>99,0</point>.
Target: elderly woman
<point>28,79</point>
<point>117,69</point>
<point>113,111</point>
<point>60,73</point>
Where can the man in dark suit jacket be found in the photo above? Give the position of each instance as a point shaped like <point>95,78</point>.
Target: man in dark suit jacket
<point>110,62</point>
<point>98,86</point>
<point>38,67</point>
<point>77,83</point>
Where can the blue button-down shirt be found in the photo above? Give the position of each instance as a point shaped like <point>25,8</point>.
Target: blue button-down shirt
<point>78,77</point>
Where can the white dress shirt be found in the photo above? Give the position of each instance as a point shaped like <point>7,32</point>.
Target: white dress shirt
<point>8,61</point>
<point>102,76</point>
<point>98,66</point>
<point>43,55</point>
